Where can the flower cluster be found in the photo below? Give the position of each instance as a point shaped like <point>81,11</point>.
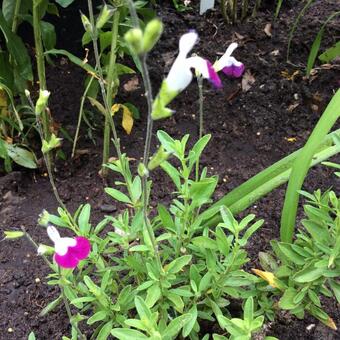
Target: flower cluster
<point>181,75</point>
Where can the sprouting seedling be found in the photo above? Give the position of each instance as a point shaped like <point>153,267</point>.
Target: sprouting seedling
<point>68,251</point>
<point>228,64</point>
<point>181,75</point>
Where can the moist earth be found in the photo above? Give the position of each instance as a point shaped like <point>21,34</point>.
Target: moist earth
<point>250,130</point>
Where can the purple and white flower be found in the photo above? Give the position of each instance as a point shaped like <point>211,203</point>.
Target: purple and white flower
<point>228,64</point>
<point>68,251</point>
<point>181,75</point>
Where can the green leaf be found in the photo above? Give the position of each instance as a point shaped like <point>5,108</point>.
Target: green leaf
<point>17,50</point>
<point>335,288</point>
<point>83,219</point>
<point>52,305</point>
<point>176,325</point>
<point>176,265</point>
<point>21,156</point>
<point>105,331</point>
<point>176,300</point>
<point>316,44</point>
<point>48,35</point>
<point>309,274</point>
<point>153,295</point>
<point>248,310</point>
<point>331,53</point>
<point>8,10</point>
<point>204,242</point>
<point>64,3</point>
<point>291,255</point>
<point>166,218</point>
<point>94,289</point>
<point>11,235</point>
<point>287,300</point>
<point>200,192</point>
<point>172,173</point>
<point>128,334</point>
<point>79,62</point>
<point>142,309</point>
<point>189,325</point>
<point>117,195</point>
<point>31,336</point>
<point>222,241</point>
<point>99,316</point>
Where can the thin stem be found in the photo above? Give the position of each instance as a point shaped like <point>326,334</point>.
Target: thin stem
<point>224,11</point>
<point>101,80</point>
<point>80,116</point>
<point>245,6</point>
<point>30,239</point>
<point>47,161</point>
<point>16,15</point>
<point>201,115</point>
<point>68,309</point>
<point>149,98</point>
<point>40,64</point>
<point>111,78</point>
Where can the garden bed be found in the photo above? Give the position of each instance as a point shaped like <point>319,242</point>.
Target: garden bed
<point>250,130</point>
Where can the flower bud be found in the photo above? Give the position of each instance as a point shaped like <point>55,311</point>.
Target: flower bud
<point>44,218</point>
<point>42,101</point>
<point>134,37</point>
<point>104,16</point>
<point>86,23</point>
<point>142,170</point>
<point>43,249</point>
<point>152,33</point>
<point>158,158</point>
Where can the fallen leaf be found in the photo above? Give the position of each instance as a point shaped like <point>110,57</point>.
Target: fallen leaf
<point>247,81</point>
<point>292,107</point>
<point>127,121</point>
<point>286,75</point>
<point>239,36</point>
<point>290,139</point>
<point>268,30</point>
<point>267,276</point>
<point>275,52</point>
<point>132,84</point>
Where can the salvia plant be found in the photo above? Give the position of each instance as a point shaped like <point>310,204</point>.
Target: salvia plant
<point>161,272</point>
<point>300,273</point>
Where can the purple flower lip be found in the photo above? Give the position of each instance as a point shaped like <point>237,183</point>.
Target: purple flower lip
<point>234,71</point>
<point>74,254</point>
<point>213,76</point>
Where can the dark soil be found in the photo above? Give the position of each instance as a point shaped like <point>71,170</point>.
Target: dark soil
<point>250,130</point>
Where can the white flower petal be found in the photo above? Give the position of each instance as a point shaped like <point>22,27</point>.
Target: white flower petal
<point>62,245</point>
<point>179,76</point>
<point>187,42</point>
<point>53,233</point>
<point>225,59</point>
<point>199,64</point>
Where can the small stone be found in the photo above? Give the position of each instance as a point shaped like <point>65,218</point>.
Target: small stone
<point>37,280</point>
<point>310,327</point>
<point>258,133</point>
<point>296,96</point>
<point>108,208</point>
<point>10,330</point>
<point>26,313</point>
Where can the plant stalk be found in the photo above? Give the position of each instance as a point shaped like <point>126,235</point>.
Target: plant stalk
<point>16,16</point>
<point>80,335</point>
<point>39,51</point>
<point>301,166</point>
<point>201,116</point>
<point>149,98</point>
<point>104,93</point>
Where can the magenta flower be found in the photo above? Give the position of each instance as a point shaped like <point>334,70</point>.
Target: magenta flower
<point>68,251</point>
<point>228,64</point>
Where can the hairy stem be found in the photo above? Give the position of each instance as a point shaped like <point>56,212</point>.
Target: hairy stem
<point>40,64</point>
<point>80,335</point>
<point>104,93</point>
<point>201,116</point>
<point>149,98</point>
<point>16,15</point>
<point>80,116</point>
